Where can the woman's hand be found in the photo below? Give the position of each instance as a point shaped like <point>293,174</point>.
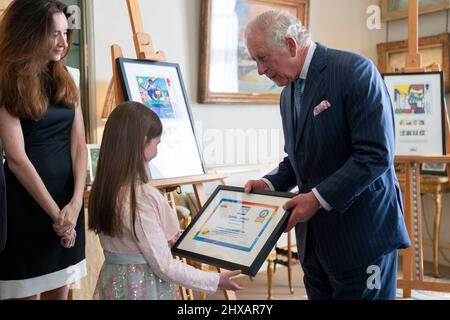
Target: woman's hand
<point>68,240</point>
<point>67,219</point>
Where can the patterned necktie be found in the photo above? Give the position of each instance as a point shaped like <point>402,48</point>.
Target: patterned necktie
<point>298,100</point>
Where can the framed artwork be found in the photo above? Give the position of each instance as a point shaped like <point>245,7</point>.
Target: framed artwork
<point>93,152</point>
<point>434,50</point>
<point>437,169</point>
<point>235,230</point>
<point>159,86</point>
<point>398,9</point>
<point>227,72</point>
<point>418,102</point>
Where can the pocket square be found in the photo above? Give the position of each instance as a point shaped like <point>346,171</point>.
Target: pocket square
<point>321,107</point>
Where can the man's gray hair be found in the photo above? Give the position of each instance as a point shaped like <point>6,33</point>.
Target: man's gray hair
<point>277,25</point>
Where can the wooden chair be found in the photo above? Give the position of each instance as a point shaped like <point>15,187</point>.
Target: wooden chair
<point>286,256</point>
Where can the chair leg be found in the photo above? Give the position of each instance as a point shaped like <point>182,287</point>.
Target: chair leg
<point>269,278</point>
<point>289,253</point>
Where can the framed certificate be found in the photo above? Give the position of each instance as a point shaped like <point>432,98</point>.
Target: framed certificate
<point>235,230</point>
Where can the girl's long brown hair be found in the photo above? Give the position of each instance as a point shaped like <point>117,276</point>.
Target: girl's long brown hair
<point>121,164</point>
<point>25,28</point>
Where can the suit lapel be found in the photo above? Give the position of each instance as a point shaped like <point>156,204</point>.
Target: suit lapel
<point>313,85</point>
<point>290,115</point>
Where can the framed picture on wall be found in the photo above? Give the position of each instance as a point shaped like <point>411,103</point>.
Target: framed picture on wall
<point>227,72</point>
<point>418,102</point>
<point>398,9</point>
<point>235,230</point>
<point>159,86</point>
<point>434,50</point>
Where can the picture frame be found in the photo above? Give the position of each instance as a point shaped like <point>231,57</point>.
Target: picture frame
<point>227,74</point>
<point>93,152</point>
<point>434,50</point>
<point>419,112</point>
<point>398,9</point>
<point>160,86</point>
<point>435,169</point>
<point>235,230</point>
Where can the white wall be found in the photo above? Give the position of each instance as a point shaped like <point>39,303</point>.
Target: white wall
<point>174,27</point>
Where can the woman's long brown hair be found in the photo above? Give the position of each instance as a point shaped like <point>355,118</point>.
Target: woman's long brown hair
<point>121,164</point>
<point>25,28</point>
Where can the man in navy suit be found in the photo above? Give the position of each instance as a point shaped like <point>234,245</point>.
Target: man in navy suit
<point>338,126</point>
<point>2,203</point>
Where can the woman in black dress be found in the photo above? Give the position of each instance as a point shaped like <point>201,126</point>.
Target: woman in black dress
<point>42,131</point>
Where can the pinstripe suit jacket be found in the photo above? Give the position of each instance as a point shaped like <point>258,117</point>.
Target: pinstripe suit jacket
<point>346,152</point>
<point>2,203</point>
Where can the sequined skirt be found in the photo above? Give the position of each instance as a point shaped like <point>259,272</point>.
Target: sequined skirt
<point>129,277</point>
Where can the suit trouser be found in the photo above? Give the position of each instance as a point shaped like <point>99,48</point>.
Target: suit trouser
<point>377,281</point>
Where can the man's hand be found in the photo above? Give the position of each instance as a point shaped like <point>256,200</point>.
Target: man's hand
<point>255,184</point>
<point>304,207</point>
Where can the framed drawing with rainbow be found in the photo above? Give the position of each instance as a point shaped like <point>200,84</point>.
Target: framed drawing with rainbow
<point>418,102</point>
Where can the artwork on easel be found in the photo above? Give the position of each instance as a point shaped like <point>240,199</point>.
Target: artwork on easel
<point>160,87</point>
<point>418,103</point>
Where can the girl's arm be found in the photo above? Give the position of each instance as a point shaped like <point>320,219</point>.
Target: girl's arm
<point>69,214</point>
<point>21,166</point>
<point>154,246</point>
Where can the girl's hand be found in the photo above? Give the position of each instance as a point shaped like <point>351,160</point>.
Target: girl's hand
<point>226,283</point>
<point>175,238</point>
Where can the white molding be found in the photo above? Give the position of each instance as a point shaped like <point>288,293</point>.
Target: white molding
<point>91,75</point>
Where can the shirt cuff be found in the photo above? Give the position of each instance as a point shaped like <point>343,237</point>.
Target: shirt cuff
<point>321,200</point>
<point>268,183</point>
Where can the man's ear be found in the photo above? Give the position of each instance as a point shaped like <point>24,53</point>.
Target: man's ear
<point>292,46</point>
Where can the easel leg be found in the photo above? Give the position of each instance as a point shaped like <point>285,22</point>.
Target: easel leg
<point>408,254</point>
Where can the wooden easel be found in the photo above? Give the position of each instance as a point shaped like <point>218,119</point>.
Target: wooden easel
<point>144,50</point>
<point>413,274</point>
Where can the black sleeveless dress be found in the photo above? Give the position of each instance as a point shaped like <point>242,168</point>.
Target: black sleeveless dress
<point>34,260</point>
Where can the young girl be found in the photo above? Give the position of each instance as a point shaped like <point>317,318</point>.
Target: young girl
<point>134,221</point>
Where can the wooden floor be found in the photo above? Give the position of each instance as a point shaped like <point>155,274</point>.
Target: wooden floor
<point>256,289</point>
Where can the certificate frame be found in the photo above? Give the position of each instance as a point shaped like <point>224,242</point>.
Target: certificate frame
<point>224,246</point>
<point>160,87</point>
<point>419,112</point>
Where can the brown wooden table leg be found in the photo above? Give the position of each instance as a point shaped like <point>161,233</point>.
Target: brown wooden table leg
<point>436,231</point>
